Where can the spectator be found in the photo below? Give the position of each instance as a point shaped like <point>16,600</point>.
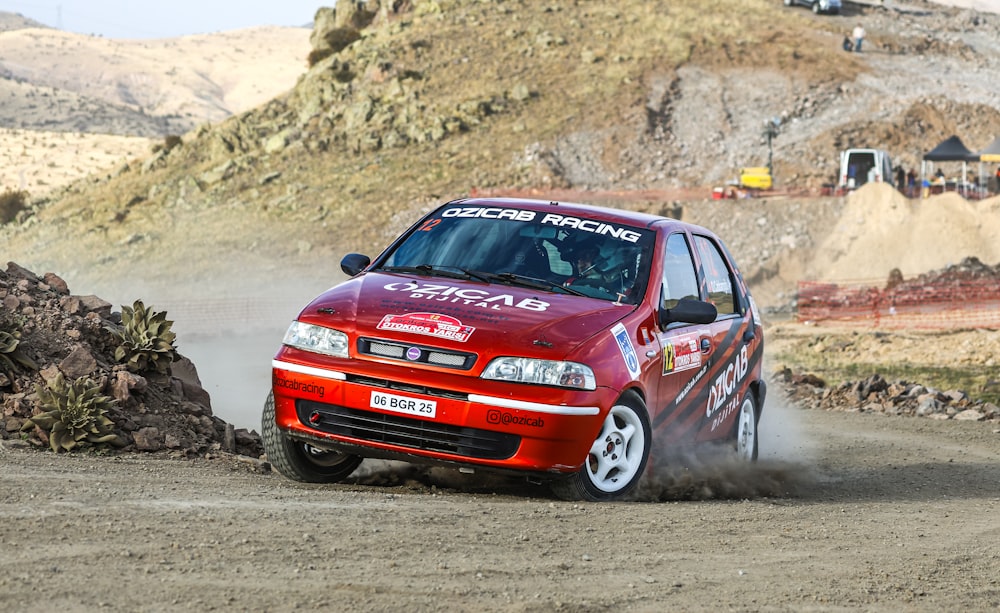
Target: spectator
<point>900,179</point>
<point>911,183</point>
<point>847,44</point>
<point>859,36</point>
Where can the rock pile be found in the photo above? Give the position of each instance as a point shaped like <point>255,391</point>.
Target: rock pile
<point>50,334</point>
<point>877,395</point>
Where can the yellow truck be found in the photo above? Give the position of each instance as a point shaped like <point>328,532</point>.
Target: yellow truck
<point>756,177</point>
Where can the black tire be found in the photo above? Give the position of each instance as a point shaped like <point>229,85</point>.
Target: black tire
<point>300,461</point>
<point>617,459</point>
<point>747,441</point>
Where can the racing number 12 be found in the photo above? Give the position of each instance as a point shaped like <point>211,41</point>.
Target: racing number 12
<point>430,223</point>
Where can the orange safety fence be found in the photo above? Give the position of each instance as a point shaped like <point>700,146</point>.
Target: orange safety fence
<point>927,304</point>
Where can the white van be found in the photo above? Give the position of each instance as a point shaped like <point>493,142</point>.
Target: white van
<point>860,166</point>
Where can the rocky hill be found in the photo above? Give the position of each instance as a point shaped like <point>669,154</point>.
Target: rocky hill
<point>59,81</point>
<point>406,104</point>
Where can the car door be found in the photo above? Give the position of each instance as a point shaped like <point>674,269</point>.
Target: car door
<point>684,366</point>
<point>731,347</point>
<point>705,367</point>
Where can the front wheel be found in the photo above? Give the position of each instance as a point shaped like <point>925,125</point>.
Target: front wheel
<point>616,459</point>
<point>746,430</point>
<point>301,461</point>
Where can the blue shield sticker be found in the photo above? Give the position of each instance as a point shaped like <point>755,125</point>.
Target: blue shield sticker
<point>628,351</point>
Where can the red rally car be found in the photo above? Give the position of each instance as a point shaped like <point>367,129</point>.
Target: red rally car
<point>560,341</point>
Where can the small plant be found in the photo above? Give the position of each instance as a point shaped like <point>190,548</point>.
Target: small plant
<point>147,343</point>
<point>12,202</point>
<point>318,55</point>
<point>170,141</point>
<point>11,355</point>
<point>73,413</point>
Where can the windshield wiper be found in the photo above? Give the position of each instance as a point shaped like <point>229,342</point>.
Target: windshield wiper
<point>438,271</point>
<point>532,282</point>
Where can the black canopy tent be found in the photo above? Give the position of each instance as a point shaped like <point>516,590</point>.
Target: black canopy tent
<point>952,149</point>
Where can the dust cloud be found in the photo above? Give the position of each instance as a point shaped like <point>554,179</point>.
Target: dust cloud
<point>783,469</point>
<point>235,369</point>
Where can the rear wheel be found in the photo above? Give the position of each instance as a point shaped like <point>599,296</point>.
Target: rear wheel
<point>788,2</point>
<point>300,461</point>
<point>816,8</point>
<point>617,457</point>
<point>746,430</point>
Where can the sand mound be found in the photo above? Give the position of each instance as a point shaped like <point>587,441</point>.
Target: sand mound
<point>880,229</point>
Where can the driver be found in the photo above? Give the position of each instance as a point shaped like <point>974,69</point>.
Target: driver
<point>586,262</point>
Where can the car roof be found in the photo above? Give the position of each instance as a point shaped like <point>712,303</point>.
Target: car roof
<point>599,213</point>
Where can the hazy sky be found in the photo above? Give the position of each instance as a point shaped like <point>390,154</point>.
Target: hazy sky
<point>163,18</point>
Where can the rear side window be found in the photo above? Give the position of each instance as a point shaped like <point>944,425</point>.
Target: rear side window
<point>679,278</point>
<point>718,277</point>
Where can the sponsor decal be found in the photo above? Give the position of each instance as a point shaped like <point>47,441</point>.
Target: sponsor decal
<point>494,416</point>
<point>727,381</point>
<point>466,296</point>
<point>413,353</point>
<point>681,353</point>
<point>298,386</point>
<point>490,213</point>
<point>589,225</point>
<point>628,351</point>
<point>717,286</point>
<point>427,324</point>
<point>690,384</point>
<point>550,219</point>
<point>724,414</point>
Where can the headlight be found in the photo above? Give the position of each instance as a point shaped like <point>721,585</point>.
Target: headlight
<point>541,372</point>
<point>316,339</point>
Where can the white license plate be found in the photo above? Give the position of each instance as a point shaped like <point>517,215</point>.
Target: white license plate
<point>402,404</point>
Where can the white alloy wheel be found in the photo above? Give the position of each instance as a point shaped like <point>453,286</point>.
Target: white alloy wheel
<point>619,453</point>
<point>746,430</point>
<point>616,460</point>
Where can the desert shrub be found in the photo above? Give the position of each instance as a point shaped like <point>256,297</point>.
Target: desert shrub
<point>318,55</point>
<point>11,355</point>
<point>170,141</point>
<point>73,413</point>
<point>146,340</point>
<point>12,202</point>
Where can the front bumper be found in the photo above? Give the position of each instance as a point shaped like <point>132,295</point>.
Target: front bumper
<point>476,422</point>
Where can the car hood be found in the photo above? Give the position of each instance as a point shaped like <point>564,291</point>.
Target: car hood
<point>466,315</point>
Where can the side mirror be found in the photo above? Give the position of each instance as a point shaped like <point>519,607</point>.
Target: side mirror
<point>688,311</point>
<point>353,263</point>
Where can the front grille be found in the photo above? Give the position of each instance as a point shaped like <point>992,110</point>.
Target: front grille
<point>406,387</point>
<point>407,432</point>
<point>418,354</point>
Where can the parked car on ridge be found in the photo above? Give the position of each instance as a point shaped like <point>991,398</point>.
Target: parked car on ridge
<point>818,6</point>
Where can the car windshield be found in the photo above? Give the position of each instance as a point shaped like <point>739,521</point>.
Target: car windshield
<point>540,250</point>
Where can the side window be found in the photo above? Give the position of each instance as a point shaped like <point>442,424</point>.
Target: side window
<point>717,276</point>
<point>679,279</point>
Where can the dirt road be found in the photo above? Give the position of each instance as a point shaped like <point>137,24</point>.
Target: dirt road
<point>883,513</point>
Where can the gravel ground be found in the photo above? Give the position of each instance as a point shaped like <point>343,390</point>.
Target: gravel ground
<point>877,514</point>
